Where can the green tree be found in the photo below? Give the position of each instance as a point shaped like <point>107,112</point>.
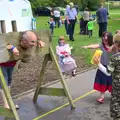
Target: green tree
<point>91,4</point>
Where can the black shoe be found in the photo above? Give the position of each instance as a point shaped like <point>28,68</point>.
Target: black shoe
<point>73,39</point>
<point>73,73</point>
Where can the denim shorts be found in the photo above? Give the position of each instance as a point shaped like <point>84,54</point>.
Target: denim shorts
<point>7,73</point>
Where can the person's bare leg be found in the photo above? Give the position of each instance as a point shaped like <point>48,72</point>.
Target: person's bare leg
<point>4,99</point>
<point>74,72</point>
<point>102,95</point>
<point>101,99</point>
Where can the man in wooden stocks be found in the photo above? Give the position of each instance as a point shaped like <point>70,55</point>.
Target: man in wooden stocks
<point>28,40</point>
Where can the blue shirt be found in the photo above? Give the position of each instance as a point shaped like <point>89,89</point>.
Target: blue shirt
<point>52,24</point>
<point>71,13</point>
<point>102,15</point>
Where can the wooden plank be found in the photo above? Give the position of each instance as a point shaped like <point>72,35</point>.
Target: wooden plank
<point>14,39</point>
<point>40,79</point>
<point>52,91</point>
<point>8,96</point>
<point>6,112</point>
<point>61,77</point>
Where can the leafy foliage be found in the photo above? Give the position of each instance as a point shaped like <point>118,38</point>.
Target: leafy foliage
<point>91,4</point>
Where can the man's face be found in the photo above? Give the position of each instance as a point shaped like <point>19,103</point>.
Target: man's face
<point>32,42</point>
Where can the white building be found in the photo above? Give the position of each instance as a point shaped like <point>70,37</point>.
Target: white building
<point>15,15</point>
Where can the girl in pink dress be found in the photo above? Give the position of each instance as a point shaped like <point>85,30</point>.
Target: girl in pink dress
<point>66,62</point>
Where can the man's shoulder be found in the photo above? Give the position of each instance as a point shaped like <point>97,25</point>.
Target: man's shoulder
<point>68,9</point>
<point>74,8</point>
<point>101,9</point>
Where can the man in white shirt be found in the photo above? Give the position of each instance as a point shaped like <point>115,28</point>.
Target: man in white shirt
<point>86,19</point>
<point>57,17</point>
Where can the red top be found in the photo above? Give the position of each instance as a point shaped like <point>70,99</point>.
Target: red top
<point>105,47</point>
<point>8,64</point>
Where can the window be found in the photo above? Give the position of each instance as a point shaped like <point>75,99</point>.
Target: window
<point>3,26</point>
<point>14,26</point>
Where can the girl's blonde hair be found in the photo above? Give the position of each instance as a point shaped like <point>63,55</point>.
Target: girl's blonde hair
<point>116,39</point>
<point>61,38</point>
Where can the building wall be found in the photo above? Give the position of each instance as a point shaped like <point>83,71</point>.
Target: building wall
<point>18,11</point>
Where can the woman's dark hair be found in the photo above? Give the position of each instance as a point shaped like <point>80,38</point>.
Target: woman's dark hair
<point>109,38</point>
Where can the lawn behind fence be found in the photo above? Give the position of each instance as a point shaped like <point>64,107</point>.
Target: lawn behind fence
<point>80,40</point>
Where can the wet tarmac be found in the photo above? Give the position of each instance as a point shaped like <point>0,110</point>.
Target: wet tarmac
<point>86,106</point>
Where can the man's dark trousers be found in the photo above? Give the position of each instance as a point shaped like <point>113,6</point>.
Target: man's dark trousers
<point>71,28</point>
<point>102,28</point>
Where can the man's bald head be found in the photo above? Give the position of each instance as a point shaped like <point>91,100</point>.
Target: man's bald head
<point>29,39</point>
<point>29,35</point>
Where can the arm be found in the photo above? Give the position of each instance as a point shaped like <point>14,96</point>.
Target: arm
<point>103,69</point>
<point>40,43</point>
<point>93,46</point>
<point>110,68</point>
<point>68,50</point>
<point>76,15</point>
<point>13,49</point>
<point>97,16</point>
<point>67,19</point>
<point>67,16</point>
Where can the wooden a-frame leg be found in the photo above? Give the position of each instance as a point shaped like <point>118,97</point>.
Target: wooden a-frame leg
<point>40,79</point>
<point>8,96</point>
<point>61,78</point>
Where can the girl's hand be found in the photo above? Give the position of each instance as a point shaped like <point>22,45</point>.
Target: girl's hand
<point>66,54</point>
<point>96,60</point>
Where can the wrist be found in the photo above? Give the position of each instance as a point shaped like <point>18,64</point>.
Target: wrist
<point>99,64</point>
<point>12,48</point>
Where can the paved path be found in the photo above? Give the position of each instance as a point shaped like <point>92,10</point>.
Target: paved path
<point>52,108</point>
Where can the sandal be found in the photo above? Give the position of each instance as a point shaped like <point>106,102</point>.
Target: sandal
<point>100,100</point>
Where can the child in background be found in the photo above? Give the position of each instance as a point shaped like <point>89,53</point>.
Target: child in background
<point>90,26</point>
<point>102,82</point>
<point>52,25</point>
<point>114,68</point>
<point>94,16</point>
<point>90,16</point>
<point>66,62</point>
<point>82,25</point>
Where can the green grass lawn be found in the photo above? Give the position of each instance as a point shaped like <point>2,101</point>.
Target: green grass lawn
<point>80,40</point>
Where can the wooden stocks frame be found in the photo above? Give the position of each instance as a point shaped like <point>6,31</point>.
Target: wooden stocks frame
<point>49,55</point>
